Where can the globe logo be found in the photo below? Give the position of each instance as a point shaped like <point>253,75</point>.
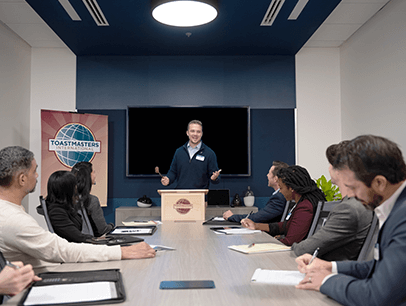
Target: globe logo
<point>74,143</point>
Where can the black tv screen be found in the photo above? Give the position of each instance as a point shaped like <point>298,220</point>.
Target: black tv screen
<point>154,134</point>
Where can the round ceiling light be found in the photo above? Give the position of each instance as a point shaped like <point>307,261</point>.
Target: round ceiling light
<point>181,13</point>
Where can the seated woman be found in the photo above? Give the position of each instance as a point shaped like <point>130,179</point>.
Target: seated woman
<point>295,184</point>
<point>86,177</point>
<point>62,208</point>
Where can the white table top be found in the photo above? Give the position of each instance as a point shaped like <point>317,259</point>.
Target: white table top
<point>203,255</point>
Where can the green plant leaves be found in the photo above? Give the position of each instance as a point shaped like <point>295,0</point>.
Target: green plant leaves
<point>332,192</point>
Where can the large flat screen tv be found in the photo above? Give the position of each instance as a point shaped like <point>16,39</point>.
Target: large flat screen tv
<point>154,134</point>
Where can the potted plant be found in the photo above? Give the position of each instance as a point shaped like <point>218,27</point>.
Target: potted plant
<point>331,191</point>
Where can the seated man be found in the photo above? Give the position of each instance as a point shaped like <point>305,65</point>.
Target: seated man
<point>342,236</point>
<point>374,171</point>
<point>23,239</point>
<point>14,277</point>
<point>273,210</point>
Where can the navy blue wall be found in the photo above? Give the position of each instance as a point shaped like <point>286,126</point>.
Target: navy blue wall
<point>116,82</point>
<point>107,85</point>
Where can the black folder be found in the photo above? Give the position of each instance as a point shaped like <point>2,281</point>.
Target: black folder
<point>111,276</point>
<point>122,240</point>
<point>221,223</point>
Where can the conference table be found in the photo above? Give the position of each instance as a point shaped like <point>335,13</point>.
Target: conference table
<point>201,254</point>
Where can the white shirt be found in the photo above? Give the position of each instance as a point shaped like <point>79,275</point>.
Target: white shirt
<point>193,151</point>
<point>383,210</point>
<point>23,239</point>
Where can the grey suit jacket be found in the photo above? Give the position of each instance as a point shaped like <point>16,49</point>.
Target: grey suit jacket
<point>342,236</point>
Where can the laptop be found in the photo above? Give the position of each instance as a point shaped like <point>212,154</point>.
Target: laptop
<point>218,197</point>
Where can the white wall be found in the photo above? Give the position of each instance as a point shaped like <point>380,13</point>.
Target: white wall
<point>15,73</point>
<point>318,107</point>
<point>53,86</point>
<point>32,79</point>
<point>373,77</point>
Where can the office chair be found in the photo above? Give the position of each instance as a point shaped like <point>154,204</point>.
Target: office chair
<point>366,252</point>
<point>87,228</point>
<point>42,209</point>
<point>320,216</point>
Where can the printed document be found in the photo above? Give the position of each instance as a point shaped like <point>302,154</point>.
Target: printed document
<point>277,277</point>
<point>71,293</point>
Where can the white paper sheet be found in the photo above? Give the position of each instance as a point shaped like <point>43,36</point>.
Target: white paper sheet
<point>238,231</point>
<point>159,248</point>
<point>71,293</point>
<point>141,223</point>
<point>277,277</point>
<point>130,231</point>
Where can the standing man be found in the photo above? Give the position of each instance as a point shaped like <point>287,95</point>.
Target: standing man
<point>194,165</point>
<point>21,237</point>
<point>374,170</point>
<point>273,210</point>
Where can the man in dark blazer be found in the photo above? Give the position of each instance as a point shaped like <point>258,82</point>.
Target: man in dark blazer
<point>374,170</point>
<point>273,210</point>
<point>344,232</point>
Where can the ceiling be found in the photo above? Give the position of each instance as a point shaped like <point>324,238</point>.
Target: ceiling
<point>236,31</point>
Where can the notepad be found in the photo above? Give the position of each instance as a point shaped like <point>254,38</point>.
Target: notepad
<point>237,231</point>
<point>140,223</point>
<point>218,219</point>
<point>131,231</point>
<point>161,248</point>
<point>277,277</point>
<point>76,288</point>
<point>71,293</point>
<point>259,248</point>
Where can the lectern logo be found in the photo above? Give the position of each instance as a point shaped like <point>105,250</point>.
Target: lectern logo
<point>182,206</point>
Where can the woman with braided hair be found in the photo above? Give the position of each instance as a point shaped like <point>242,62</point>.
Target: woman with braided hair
<point>296,185</point>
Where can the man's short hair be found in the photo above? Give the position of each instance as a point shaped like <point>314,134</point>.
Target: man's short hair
<point>278,165</point>
<point>333,153</point>
<point>13,160</point>
<point>368,156</point>
<point>195,122</point>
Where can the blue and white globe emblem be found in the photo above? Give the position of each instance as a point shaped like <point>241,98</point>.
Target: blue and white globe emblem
<point>74,132</point>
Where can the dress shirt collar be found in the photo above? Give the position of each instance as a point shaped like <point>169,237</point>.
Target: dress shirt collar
<point>276,191</point>
<point>383,210</point>
<point>193,151</point>
<point>197,148</point>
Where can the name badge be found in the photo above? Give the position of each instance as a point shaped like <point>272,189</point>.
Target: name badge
<point>200,157</point>
<point>376,251</point>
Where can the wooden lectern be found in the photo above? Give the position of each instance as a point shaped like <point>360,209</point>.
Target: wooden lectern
<point>183,204</point>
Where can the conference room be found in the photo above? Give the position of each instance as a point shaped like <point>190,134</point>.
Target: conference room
<point>302,98</point>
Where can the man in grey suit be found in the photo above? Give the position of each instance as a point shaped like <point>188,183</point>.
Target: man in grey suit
<point>374,171</point>
<point>345,230</point>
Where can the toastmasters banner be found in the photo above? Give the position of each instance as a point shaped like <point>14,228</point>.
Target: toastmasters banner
<point>69,138</point>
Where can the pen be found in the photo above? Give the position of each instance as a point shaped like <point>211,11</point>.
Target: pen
<point>251,245</point>
<point>314,256</point>
<point>15,267</point>
<point>249,214</point>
